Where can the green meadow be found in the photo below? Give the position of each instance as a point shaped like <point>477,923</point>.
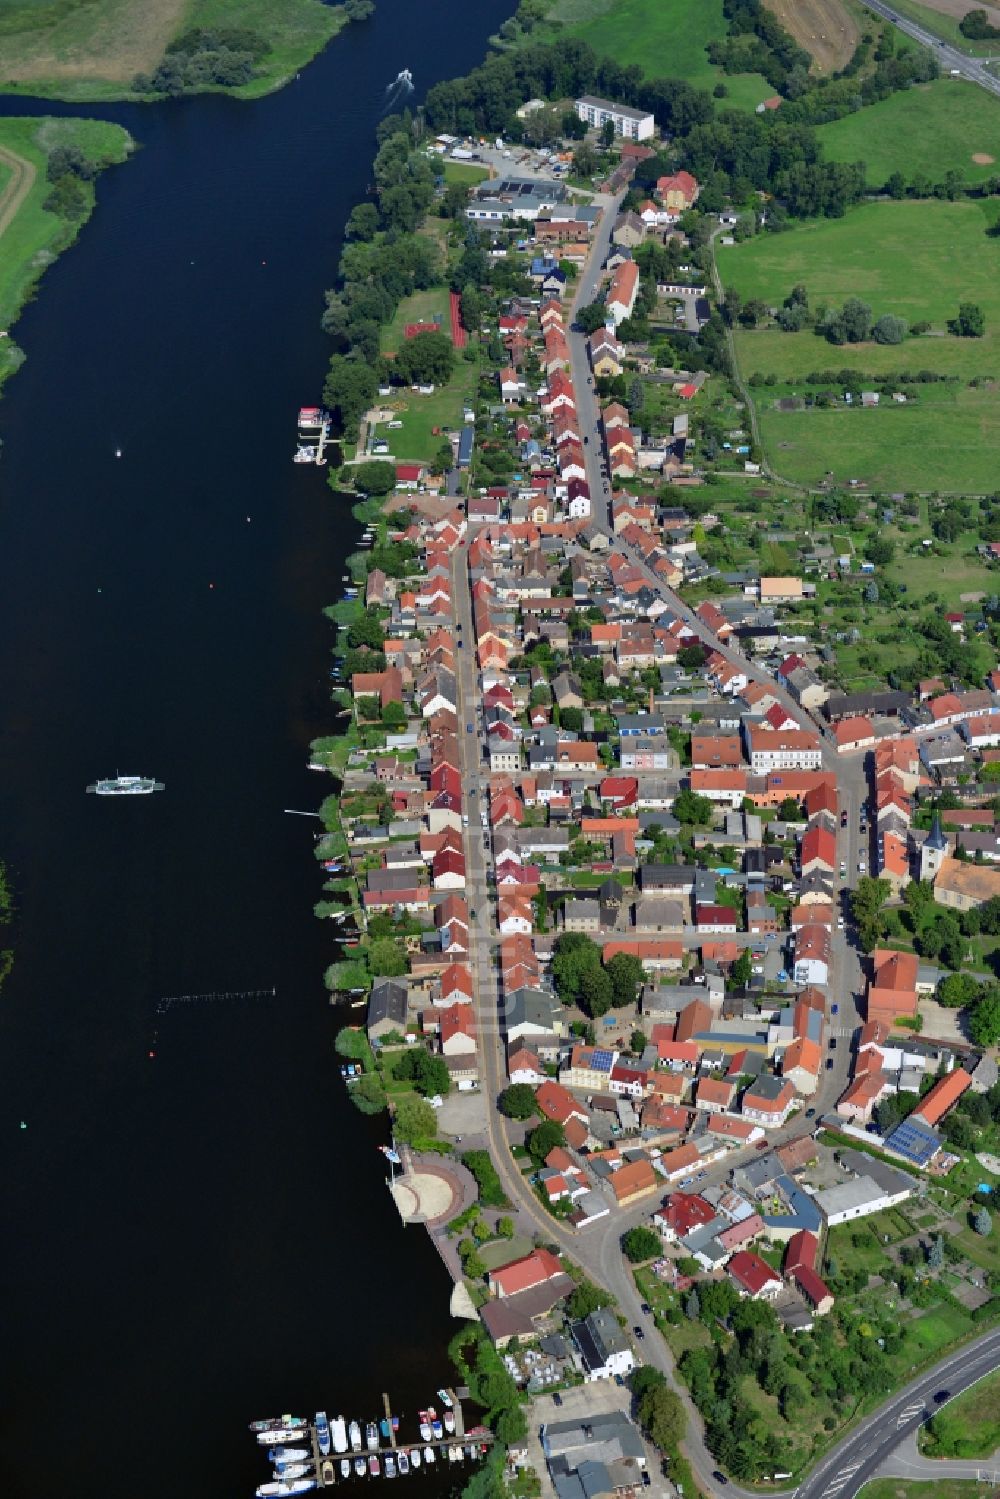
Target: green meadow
<point>929,128</point>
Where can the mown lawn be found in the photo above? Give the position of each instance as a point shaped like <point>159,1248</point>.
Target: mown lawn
<point>968,1426</point>
<point>429,306</point>
<point>937,1488</point>
<point>929,128</point>
<point>464,171</point>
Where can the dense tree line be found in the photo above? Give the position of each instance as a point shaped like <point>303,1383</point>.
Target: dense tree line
<point>200,58</point>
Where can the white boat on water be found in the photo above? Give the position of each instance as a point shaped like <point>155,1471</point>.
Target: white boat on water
<point>338,1430</point>
<point>326,1472</point>
<point>415,1457</point>
<point>354,1434</point>
<point>295,1470</point>
<point>449,1422</point>
<point>323,1433</point>
<point>130,786</point>
<point>445,1398</point>
<point>429,1455</point>
<point>297,1486</point>
<point>289,1454</point>
<point>345,1467</point>
<point>404,1463</point>
<point>280,1434</point>
<point>371,1436</point>
<point>274,1423</point>
<point>390,1465</point>
<point>359,1466</point>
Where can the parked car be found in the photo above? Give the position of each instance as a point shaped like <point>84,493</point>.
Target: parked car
<point>833,1043</point>
<point>829,1064</point>
<point>719,1477</point>
<point>834,1009</point>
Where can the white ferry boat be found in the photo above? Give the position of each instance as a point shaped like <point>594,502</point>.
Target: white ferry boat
<point>126,786</point>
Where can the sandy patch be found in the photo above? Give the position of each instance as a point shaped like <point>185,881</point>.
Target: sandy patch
<point>422,1197</point>
<point>983,159</point>
<point>825,28</point>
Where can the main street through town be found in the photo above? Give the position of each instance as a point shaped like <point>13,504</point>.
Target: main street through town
<point>596,1248</point>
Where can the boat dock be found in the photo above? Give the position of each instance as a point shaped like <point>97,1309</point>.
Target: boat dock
<point>314,435</point>
<point>390,1446</point>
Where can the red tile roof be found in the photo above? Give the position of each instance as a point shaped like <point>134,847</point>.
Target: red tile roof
<point>752,1273</point>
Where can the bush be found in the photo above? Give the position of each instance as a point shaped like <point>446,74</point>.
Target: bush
<point>491,1192</point>
<point>640,1244</point>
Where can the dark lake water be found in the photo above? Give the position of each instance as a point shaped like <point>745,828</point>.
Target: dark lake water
<point>204,1237</point>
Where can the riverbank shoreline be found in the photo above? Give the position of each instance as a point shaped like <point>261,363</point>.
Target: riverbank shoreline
<point>41,210</point>
<point>295,38</point>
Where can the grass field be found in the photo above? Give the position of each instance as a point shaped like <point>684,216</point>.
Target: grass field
<point>898,257</point>
<point>464,171</point>
<point>827,29</point>
<point>945,26</point>
<point>929,128</point>
<point>422,307</point>
<point>34,236</point>
<point>937,1488</point>
<point>666,38</point>
<point>91,49</point>
<point>968,1426</point>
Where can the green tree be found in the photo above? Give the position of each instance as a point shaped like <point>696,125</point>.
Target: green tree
<point>626,973</point>
<point>427,359</point>
<point>790,810</point>
<point>592,317</point>
<point>367,1094</point>
<point>386,958</point>
<point>574,954</point>
<point>742,970</point>
<point>429,1074</point>
<point>935,1255</point>
<point>505,1228</point>
<point>394,717</point>
<point>984,1022</point>
<point>414,1120</point>
<point>585,1299</point>
<point>982,1223</point>
<point>543,1138</point>
<point>638,1041</point>
<point>374,477</point>
<point>889,329</point>
<point>662,1415</point>
<point>970,322</point>
<point>692,810</point>
<point>518,1101</point>
<point>641,1243</point>
<point>596,992</point>
<point>692,1306</point>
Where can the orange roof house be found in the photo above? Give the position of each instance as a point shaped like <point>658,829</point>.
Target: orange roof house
<point>892,988</point>
<point>944,1094</point>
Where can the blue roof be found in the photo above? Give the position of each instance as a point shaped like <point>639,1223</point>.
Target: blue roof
<point>914,1141</point>
<point>465,445</point>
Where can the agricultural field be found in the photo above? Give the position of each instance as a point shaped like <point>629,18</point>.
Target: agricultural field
<point>827,29</point>
<point>666,38</point>
<point>930,128</point>
<point>91,49</point>
<point>897,257</point>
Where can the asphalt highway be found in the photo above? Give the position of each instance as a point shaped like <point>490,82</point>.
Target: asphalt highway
<point>950,60</point>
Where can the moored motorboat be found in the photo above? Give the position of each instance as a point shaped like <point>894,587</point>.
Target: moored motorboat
<point>281,1434</point>
<point>323,1433</point>
<point>345,1467</point>
<point>371,1436</point>
<point>384,1428</point>
<point>295,1470</point>
<point>374,1467</point>
<point>297,1486</point>
<point>437,1429</point>
<point>415,1457</point>
<point>425,1426</point>
<point>289,1454</point>
<point>354,1431</point>
<point>404,1463</point>
<point>338,1430</point>
<point>429,1455</point>
<point>326,1471</point>
<point>390,1466</point>
<point>449,1422</point>
<point>445,1398</point>
<point>359,1466</point>
<point>276,1423</point>
<point>471,1450</point>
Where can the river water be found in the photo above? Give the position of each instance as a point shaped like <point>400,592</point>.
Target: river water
<point>204,1236</point>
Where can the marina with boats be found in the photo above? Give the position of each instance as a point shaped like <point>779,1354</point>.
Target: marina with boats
<point>313,1454</point>
<point>313,435</point>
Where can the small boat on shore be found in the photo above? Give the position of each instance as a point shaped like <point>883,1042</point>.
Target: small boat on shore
<point>371,1436</point>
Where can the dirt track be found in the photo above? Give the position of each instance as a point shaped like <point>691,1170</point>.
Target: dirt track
<point>823,27</point>
<point>23,174</point>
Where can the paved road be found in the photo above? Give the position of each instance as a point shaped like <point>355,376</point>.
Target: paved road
<point>949,59</point>
<point>909,1462</point>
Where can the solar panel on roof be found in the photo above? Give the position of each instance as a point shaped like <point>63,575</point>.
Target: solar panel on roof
<point>602,1061</point>
<point>909,1140</point>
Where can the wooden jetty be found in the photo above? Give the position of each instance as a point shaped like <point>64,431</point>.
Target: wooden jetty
<point>396,1444</point>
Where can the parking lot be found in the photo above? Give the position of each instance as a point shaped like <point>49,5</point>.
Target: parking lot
<point>582,1403</point>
